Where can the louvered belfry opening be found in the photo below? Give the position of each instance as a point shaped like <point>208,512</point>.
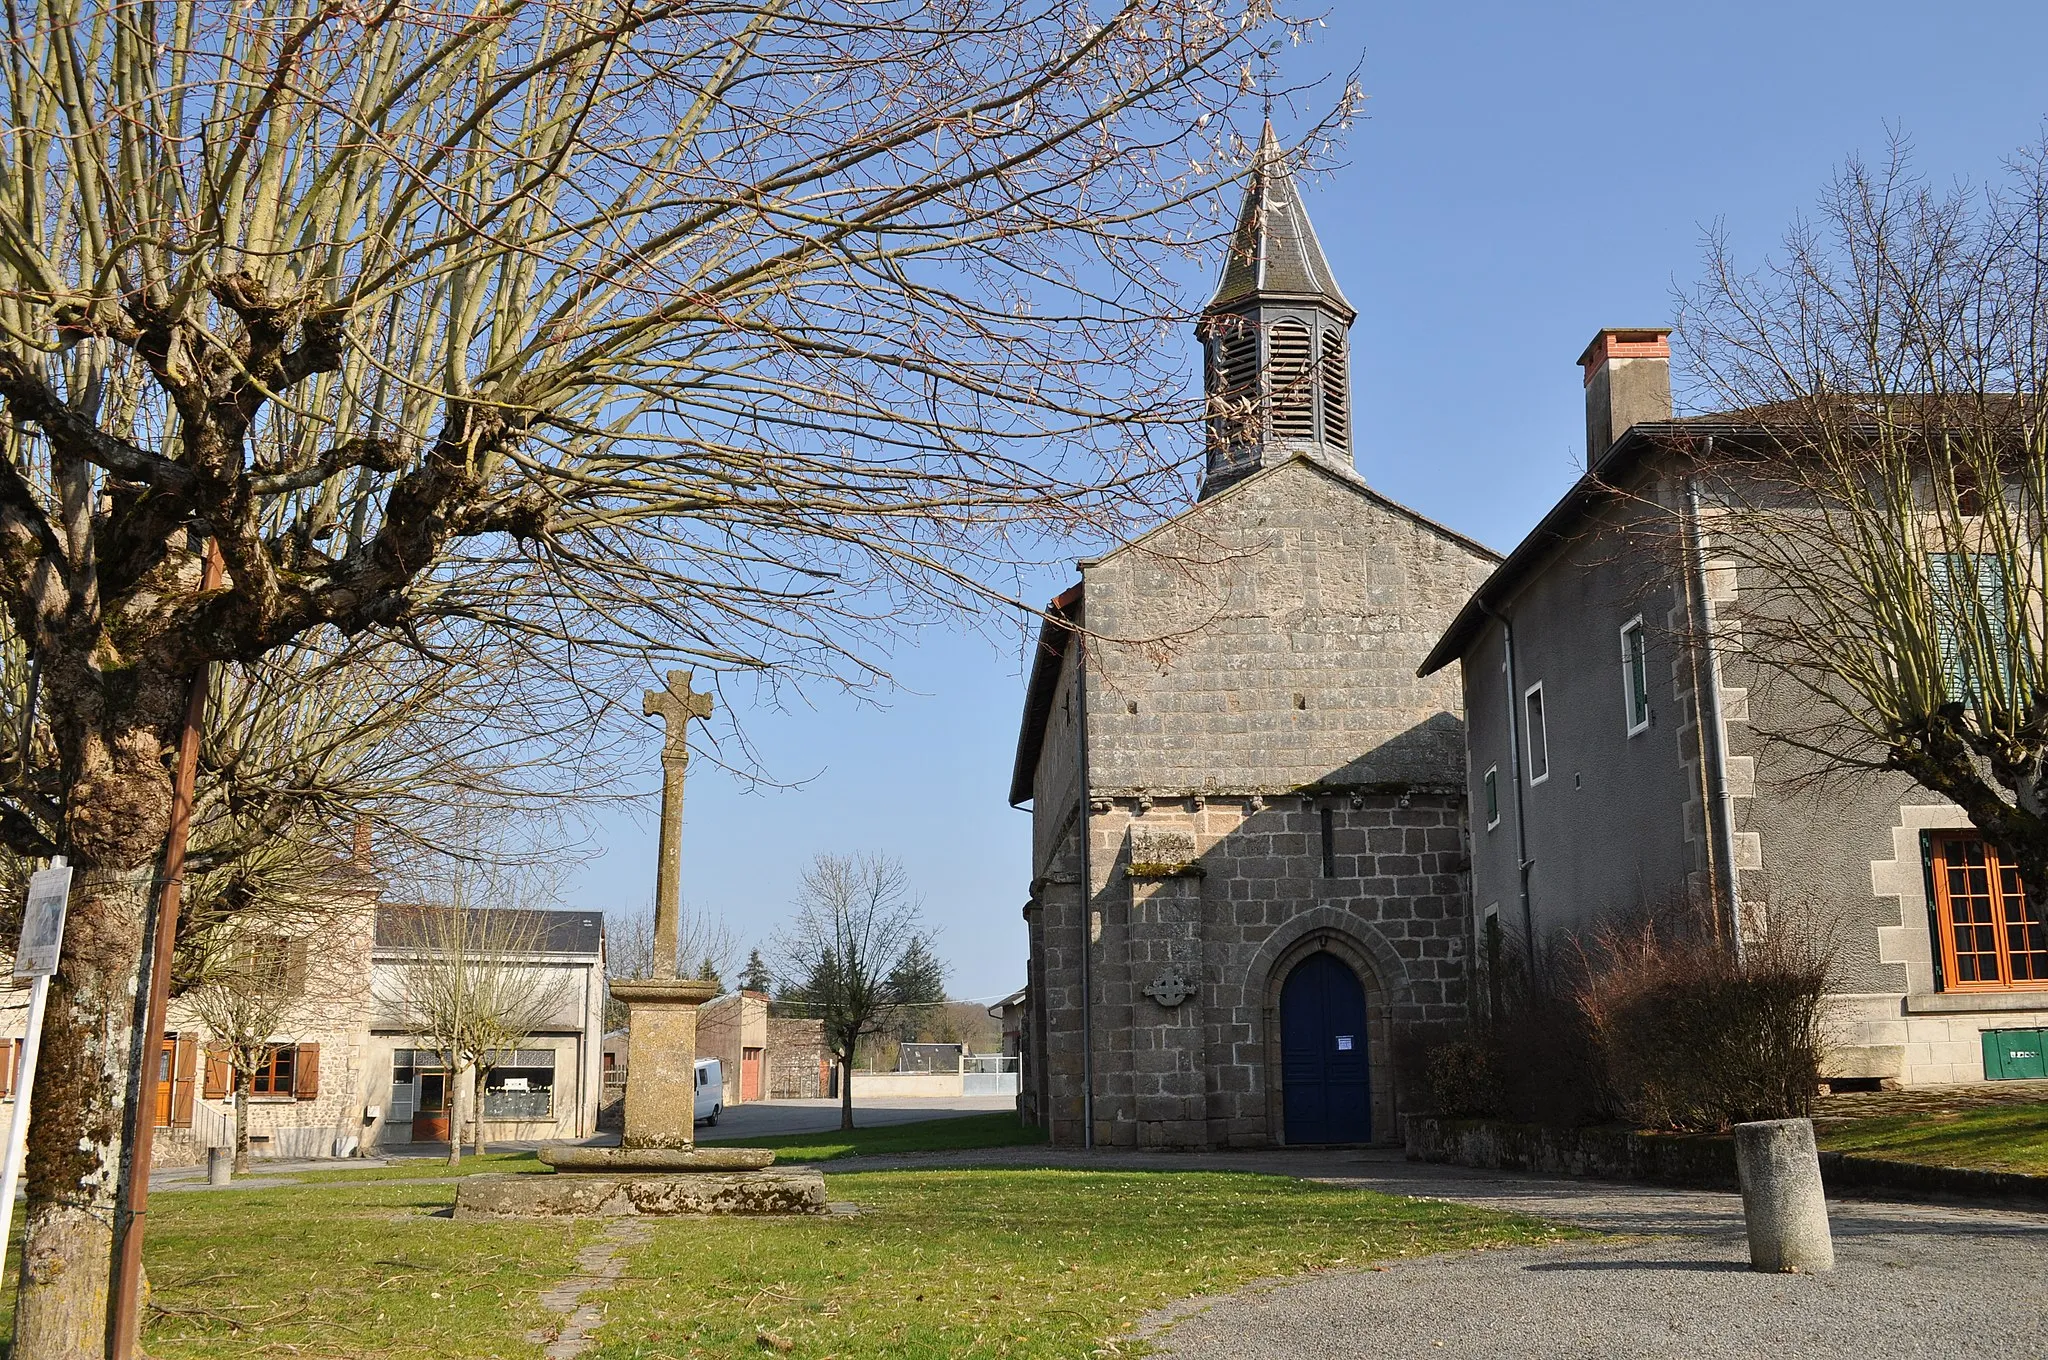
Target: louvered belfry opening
<point>1336,374</point>
<point>1293,389</point>
<point>1233,386</point>
<point>1278,379</point>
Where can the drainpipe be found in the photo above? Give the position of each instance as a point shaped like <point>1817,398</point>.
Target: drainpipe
<point>1522,861</point>
<point>1086,895</point>
<point>1713,735</point>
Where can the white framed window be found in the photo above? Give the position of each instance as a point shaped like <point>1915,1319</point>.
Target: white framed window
<point>1635,676</point>
<point>1538,735</point>
<point>1492,785</point>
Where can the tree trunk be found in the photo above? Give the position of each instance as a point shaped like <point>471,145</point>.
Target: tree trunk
<point>476,1113</point>
<point>456,1089</point>
<point>75,1142</point>
<point>241,1123</point>
<point>846,1091</point>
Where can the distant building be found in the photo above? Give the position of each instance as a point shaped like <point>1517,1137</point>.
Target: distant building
<point>762,1056</point>
<point>734,1029</point>
<point>1248,812</point>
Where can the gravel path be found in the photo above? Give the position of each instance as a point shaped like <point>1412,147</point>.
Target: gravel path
<point>1900,1293</point>
<point>1912,1280</point>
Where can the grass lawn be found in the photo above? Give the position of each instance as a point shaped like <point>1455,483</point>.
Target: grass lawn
<point>1001,1129</point>
<point>1990,1138</point>
<point>938,1263</point>
<point>1022,1265</point>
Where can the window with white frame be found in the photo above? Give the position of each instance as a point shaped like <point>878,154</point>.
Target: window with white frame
<point>1635,676</point>
<point>1538,735</point>
<point>1493,797</point>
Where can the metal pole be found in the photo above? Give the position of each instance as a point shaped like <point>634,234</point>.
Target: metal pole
<point>123,1314</point>
<point>1087,894</point>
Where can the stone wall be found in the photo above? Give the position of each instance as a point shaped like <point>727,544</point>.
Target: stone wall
<point>1250,902</point>
<point>1251,681</point>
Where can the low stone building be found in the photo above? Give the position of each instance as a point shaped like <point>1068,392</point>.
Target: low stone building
<point>734,1029</point>
<point>1248,825</point>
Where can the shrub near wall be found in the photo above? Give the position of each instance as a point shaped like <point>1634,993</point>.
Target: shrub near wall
<point>1692,1037</point>
<point>1658,1024</point>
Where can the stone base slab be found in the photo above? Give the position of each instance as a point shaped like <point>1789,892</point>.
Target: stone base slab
<point>657,1159</point>
<point>691,1194</point>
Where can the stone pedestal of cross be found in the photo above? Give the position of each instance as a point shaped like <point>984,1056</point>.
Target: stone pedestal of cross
<point>661,1046</point>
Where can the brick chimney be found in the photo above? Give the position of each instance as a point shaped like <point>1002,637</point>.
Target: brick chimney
<point>361,847</point>
<point>1628,381</point>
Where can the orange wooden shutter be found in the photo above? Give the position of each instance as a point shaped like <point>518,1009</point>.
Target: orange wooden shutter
<point>306,1073</point>
<point>183,1063</point>
<point>7,1066</point>
<point>217,1074</point>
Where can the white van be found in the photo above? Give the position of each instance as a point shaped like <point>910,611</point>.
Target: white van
<point>710,1090</point>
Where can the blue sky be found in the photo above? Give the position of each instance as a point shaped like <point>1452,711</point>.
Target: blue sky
<point>1524,175</point>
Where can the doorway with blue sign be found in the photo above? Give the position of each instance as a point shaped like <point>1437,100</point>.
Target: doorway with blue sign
<point>1326,1082</point>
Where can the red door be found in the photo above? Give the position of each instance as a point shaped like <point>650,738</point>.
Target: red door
<point>750,1074</point>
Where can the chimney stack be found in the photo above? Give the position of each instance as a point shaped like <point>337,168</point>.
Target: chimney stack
<point>361,847</point>
<point>1628,381</point>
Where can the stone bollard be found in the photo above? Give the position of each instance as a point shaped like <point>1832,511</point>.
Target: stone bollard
<point>220,1165</point>
<point>1782,1199</point>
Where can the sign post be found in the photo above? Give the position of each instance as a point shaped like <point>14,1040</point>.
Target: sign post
<point>42,938</point>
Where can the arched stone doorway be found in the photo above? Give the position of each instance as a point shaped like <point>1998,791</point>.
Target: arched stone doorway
<point>1326,1071</point>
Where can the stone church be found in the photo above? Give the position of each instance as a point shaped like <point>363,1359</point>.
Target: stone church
<point>1249,846</point>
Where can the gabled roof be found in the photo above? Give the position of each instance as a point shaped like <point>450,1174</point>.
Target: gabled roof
<point>408,925</point>
<point>1065,614</point>
<point>1274,251</point>
<point>1347,478</point>
<point>1062,616</point>
<point>1596,488</point>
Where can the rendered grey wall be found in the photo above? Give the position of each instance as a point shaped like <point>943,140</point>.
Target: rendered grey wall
<point>1608,830</point>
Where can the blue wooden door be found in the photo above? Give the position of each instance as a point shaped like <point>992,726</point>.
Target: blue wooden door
<point>1324,1077</point>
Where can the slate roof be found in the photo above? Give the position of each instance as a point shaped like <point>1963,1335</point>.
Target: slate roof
<point>553,932</point>
<point>1744,430</point>
<point>1274,251</point>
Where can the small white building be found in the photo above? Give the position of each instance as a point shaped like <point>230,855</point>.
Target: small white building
<point>549,1087</point>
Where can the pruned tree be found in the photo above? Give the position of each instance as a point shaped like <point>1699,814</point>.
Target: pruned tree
<point>855,923</point>
<point>1885,504</point>
<point>718,333</point>
<point>251,997</point>
<point>466,985</point>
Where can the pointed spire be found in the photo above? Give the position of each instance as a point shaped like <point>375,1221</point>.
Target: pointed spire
<point>1274,251</point>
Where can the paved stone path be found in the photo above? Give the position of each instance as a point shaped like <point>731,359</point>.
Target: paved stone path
<point>598,1267</point>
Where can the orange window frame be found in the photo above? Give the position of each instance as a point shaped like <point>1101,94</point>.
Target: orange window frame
<point>1988,935</point>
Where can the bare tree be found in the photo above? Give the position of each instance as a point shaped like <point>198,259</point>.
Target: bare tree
<point>250,998</point>
<point>468,987</point>
<point>855,925</point>
<point>1886,505</point>
<point>724,333</point>
<point>705,944</point>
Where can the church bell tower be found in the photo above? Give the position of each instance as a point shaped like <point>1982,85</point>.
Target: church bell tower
<point>1275,338</point>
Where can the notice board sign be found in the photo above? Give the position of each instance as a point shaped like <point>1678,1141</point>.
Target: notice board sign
<point>42,926</point>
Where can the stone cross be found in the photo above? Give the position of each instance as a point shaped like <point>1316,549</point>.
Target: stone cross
<point>675,705</point>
